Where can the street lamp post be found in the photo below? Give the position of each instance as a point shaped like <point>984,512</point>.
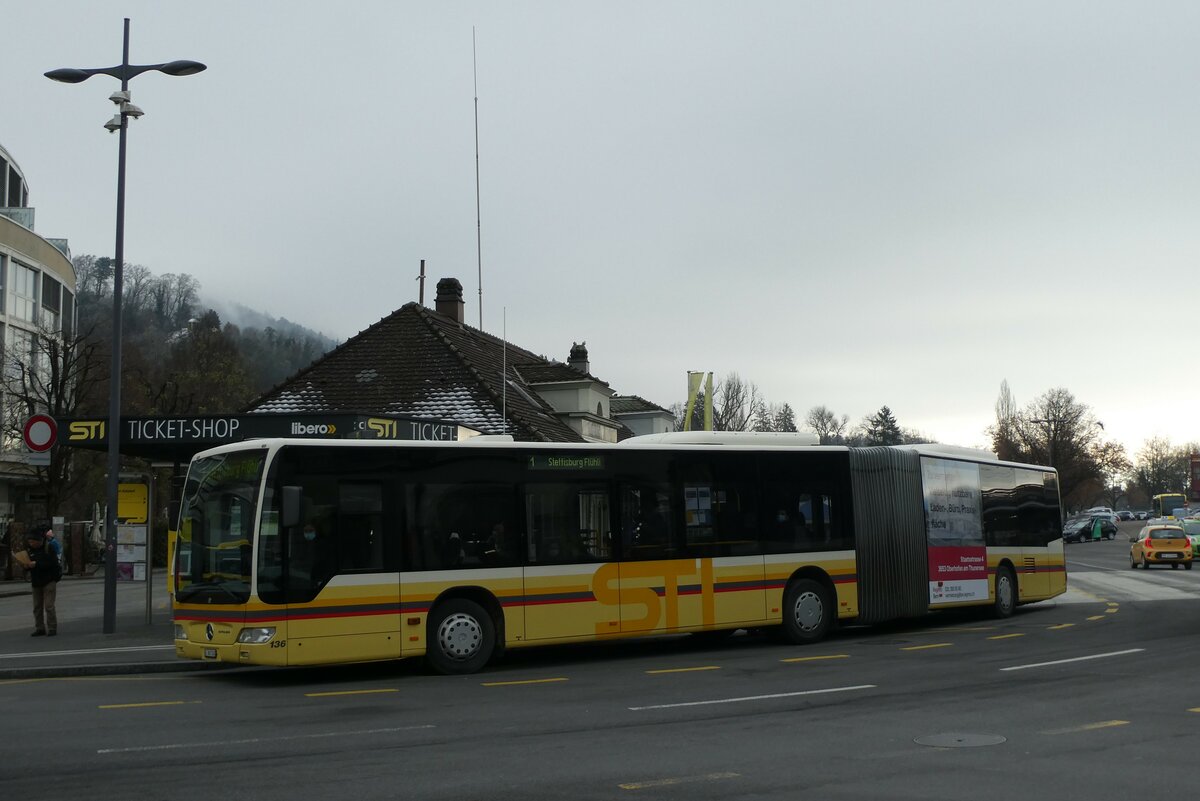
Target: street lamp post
<point>120,122</point>
<point>1049,424</point>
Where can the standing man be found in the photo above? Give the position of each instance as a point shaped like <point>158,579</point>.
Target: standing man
<point>44,577</point>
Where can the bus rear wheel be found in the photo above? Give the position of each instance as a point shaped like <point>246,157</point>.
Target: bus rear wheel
<point>1006,593</point>
<point>461,637</point>
<point>808,612</point>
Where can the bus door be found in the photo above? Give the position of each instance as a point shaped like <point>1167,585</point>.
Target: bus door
<point>342,573</point>
<point>691,554</point>
<point>571,578</point>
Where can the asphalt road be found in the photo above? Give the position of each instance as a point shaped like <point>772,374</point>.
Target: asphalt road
<point>1091,696</point>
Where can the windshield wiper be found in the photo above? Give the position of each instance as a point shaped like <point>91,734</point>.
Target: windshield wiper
<point>193,589</point>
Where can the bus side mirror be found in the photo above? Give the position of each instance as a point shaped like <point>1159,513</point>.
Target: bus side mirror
<point>290,512</point>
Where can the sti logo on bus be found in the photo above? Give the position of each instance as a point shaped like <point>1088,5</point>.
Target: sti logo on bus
<point>85,430</point>
<point>304,429</point>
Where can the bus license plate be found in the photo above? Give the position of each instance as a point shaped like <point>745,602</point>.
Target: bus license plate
<point>210,653</point>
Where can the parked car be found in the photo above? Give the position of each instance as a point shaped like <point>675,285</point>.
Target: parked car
<point>1141,515</point>
<point>1160,545</point>
<point>1125,514</point>
<point>1191,529</point>
<point>1083,529</point>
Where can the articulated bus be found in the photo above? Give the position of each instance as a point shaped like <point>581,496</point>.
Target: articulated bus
<point>1164,505</point>
<point>297,552</point>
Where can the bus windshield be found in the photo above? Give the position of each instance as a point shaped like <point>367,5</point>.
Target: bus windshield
<point>216,528</point>
<point>1166,504</point>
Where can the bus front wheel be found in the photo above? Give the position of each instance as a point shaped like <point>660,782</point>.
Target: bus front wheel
<point>807,612</point>
<point>461,637</point>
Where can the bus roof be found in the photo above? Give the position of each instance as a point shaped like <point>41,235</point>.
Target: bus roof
<point>738,440</point>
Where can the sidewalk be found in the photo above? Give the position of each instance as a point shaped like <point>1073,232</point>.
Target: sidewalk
<point>81,648</point>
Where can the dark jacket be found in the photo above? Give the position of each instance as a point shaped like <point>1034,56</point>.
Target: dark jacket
<point>46,568</point>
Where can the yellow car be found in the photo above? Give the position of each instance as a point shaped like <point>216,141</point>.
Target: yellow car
<point>1161,545</point>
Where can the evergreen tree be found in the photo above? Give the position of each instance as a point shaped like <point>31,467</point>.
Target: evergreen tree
<point>882,428</point>
<point>785,418</point>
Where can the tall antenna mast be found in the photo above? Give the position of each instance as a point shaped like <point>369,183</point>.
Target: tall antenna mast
<point>504,370</point>
<point>478,225</point>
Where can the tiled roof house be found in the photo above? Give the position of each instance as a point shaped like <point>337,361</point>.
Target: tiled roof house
<point>427,363</point>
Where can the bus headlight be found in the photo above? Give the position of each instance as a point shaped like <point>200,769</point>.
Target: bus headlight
<point>180,632</point>
<point>256,636</point>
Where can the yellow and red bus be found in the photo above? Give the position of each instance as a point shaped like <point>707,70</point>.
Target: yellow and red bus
<point>364,550</point>
<point>1165,504</point>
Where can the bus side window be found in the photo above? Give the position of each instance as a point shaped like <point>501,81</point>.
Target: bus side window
<point>360,527</point>
<point>647,522</point>
<point>568,523</point>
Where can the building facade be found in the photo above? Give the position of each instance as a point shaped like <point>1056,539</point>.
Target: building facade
<point>37,300</point>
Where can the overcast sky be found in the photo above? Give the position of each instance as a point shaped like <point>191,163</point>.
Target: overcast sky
<point>849,204</point>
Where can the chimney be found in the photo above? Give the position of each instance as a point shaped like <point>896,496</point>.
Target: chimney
<point>578,360</point>
<point>449,299</point>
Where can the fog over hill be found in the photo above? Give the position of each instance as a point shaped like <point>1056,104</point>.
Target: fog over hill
<point>246,318</point>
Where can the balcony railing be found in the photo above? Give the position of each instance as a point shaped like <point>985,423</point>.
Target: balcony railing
<point>19,215</point>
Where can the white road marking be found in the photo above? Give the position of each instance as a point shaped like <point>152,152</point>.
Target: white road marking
<point>708,777</point>
<point>1158,585</point>
<point>1075,659</point>
<point>754,697</point>
<point>252,740</point>
<point>77,652</point>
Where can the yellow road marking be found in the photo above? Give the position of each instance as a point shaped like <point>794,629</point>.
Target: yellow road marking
<point>1060,626</point>
<point>1111,611</point>
<point>683,670</point>
<point>1006,636</point>
<point>1194,709</point>
<point>1104,724</point>
<point>707,777</point>
<point>1112,603</point>
<point>149,703</point>
<point>815,658</point>
<point>931,645</point>
<point>351,692</point>
<point>951,630</point>
<point>510,683</point>
<point>1096,617</point>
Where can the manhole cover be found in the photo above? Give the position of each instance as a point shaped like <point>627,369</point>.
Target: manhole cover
<point>960,740</point>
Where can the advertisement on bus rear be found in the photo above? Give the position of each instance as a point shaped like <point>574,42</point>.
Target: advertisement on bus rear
<point>954,531</point>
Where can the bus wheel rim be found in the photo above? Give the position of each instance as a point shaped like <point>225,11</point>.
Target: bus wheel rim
<point>809,611</point>
<point>460,636</point>
<point>1006,591</point>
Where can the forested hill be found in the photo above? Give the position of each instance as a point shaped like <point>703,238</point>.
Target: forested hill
<point>182,355</point>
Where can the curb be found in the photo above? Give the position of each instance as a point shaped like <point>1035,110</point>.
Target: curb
<point>69,671</point>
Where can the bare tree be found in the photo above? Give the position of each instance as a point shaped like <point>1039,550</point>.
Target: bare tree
<point>137,285</point>
<point>45,373</point>
<point>174,298</point>
<point>1004,431</point>
<point>1057,430</point>
<point>1160,467</point>
<point>1112,465</point>
<point>93,275</point>
<point>734,403</point>
<point>827,425</point>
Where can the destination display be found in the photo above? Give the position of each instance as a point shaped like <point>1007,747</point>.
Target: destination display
<point>589,462</point>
